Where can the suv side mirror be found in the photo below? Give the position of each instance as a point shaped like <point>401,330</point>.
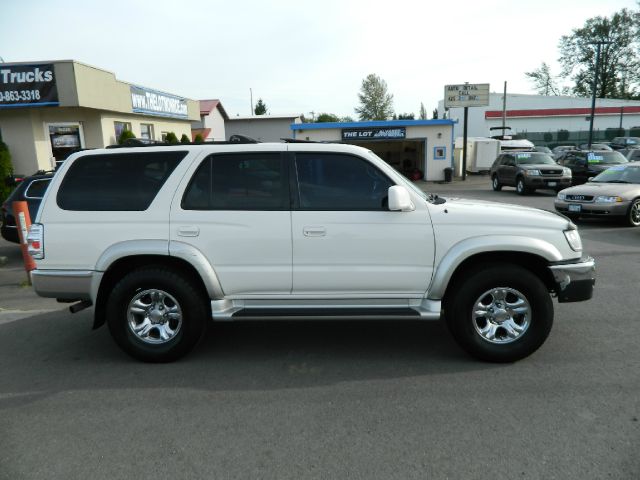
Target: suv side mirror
<point>399,199</point>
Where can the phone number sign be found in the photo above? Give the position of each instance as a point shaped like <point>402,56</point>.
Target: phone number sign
<point>466,95</point>
<point>28,85</point>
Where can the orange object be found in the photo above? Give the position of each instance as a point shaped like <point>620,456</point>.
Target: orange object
<point>23,222</point>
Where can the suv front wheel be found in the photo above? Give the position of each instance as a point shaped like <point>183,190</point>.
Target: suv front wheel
<point>495,184</point>
<point>156,315</point>
<point>521,188</point>
<point>499,313</point>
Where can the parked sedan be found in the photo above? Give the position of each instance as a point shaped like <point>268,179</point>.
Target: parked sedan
<point>30,189</point>
<point>613,193</point>
<point>585,164</point>
<point>619,143</point>
<point>632,154</point>
<point>528,171</point>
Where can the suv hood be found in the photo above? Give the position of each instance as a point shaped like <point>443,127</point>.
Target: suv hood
<point>541,166</point>
<point>493,214</point>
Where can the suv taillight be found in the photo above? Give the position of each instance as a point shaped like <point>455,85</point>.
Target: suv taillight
<point>35,241</point>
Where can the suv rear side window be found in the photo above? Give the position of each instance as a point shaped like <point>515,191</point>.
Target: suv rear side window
<point>36,188</point>
<point>330,181</point>
<point>248,181</point>
<point>116,182</point>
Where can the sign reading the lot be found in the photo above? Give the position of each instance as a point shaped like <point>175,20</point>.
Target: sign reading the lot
<point>28,86</point>
<point>466,95</point>
<point>151,102</point>
<point>373,133</point>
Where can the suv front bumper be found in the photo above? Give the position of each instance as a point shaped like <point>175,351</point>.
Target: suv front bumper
<point>574,281</point>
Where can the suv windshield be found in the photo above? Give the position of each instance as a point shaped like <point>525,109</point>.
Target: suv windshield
<point>533,158</point>
<point>609,158</point>
<point>619,174</point>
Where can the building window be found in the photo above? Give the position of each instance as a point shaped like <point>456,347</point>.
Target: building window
<point>164,136</point>
<point>146,131</point>
<point>121,127</point>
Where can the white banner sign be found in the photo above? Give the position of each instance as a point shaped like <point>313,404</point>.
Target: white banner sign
<point>466,95</point>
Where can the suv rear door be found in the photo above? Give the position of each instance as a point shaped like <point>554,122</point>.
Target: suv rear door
<point>236,211</point>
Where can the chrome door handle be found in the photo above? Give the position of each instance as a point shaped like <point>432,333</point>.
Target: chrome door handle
<point>188,231</point>
<point>314,231</point>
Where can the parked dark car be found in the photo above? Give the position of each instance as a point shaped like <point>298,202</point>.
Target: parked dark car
<point>584,164</point>
<point>632,154</point>
<point>528,171</point>
<point>543,149</point>
<point>560,149</point>
<point>32,190</point>
<point>619,143</point>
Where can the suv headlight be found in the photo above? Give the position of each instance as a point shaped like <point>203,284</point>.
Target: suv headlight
<point>606,199</point>
<point>566,172</point>
<point>574,240</point>
<point>532,172</point>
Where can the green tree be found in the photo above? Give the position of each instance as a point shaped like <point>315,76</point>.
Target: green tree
<point>124,136</point>
<point>406,116</point>
<point>184,139</point>
<point>375,102</point>
<point>346,118</point>
<point>260,108</point>
<point>6,171</point>
<point>619,73</point>
<point>171,138</point>
<point>198,139</point>
<point>435,114</point>
<point>543,81</point>
<point>327,117</point>
<point>423,112</point>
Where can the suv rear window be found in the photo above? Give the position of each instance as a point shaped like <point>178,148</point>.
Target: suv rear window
<point>118,182</point>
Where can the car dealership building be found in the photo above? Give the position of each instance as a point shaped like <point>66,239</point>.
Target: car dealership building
<point>51,109</point>
<point>420,149</point>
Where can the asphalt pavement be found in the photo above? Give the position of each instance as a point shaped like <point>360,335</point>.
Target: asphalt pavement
<point>360,400</point>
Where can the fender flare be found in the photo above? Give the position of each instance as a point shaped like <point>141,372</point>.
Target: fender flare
<point>470,247</point>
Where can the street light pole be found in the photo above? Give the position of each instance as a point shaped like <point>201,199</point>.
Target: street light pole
<point>595,86</point>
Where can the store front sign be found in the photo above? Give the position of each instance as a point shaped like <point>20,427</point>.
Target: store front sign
<point>374,133</point>
<point>151,102</point>
<point>28,86</point>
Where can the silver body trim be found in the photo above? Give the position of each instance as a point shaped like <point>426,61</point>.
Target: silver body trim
<point>70,284</point>
<point>573,272</point>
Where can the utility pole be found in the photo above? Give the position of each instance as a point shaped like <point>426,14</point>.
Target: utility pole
<point>504,108</point>
<point>251,100</point>
<point>598,45</point>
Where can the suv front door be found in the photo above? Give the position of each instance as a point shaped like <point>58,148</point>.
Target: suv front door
<point>345,239</point>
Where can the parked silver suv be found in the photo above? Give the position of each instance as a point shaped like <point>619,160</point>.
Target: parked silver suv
<point>160,239</point>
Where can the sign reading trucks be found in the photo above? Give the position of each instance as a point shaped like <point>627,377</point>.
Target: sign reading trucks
<point>28,86</point>
<point>151,102</point>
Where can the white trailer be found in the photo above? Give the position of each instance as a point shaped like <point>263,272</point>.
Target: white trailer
<point>481,153</point>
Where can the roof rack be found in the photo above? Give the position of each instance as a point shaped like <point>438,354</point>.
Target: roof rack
<point>298,140</point>
<point>137,142</point>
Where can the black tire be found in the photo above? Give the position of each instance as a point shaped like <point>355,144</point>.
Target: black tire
<point>460,309</point>
<point>521,188</point>
<point>633,215</point>
<point>190,303</point>
<point>495,184</point>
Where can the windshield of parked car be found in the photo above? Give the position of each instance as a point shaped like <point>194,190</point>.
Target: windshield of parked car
<point>606,158</point>
<point>619,174</point>
<point>533,158</point>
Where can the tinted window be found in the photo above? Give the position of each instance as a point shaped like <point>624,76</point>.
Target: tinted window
<point>119,182</point>
<point>328,181</point>
<point>37,188</point>
<point>251,181</point>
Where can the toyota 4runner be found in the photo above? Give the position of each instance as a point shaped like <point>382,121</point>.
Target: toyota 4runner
<point>159,240</point>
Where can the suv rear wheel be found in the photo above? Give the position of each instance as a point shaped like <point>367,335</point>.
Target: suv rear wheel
<point>156,315</point>
<point>500,313</point>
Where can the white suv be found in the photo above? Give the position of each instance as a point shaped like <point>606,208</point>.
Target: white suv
<point>161,239</point>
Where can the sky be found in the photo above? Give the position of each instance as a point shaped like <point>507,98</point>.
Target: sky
<point>300,56</point>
